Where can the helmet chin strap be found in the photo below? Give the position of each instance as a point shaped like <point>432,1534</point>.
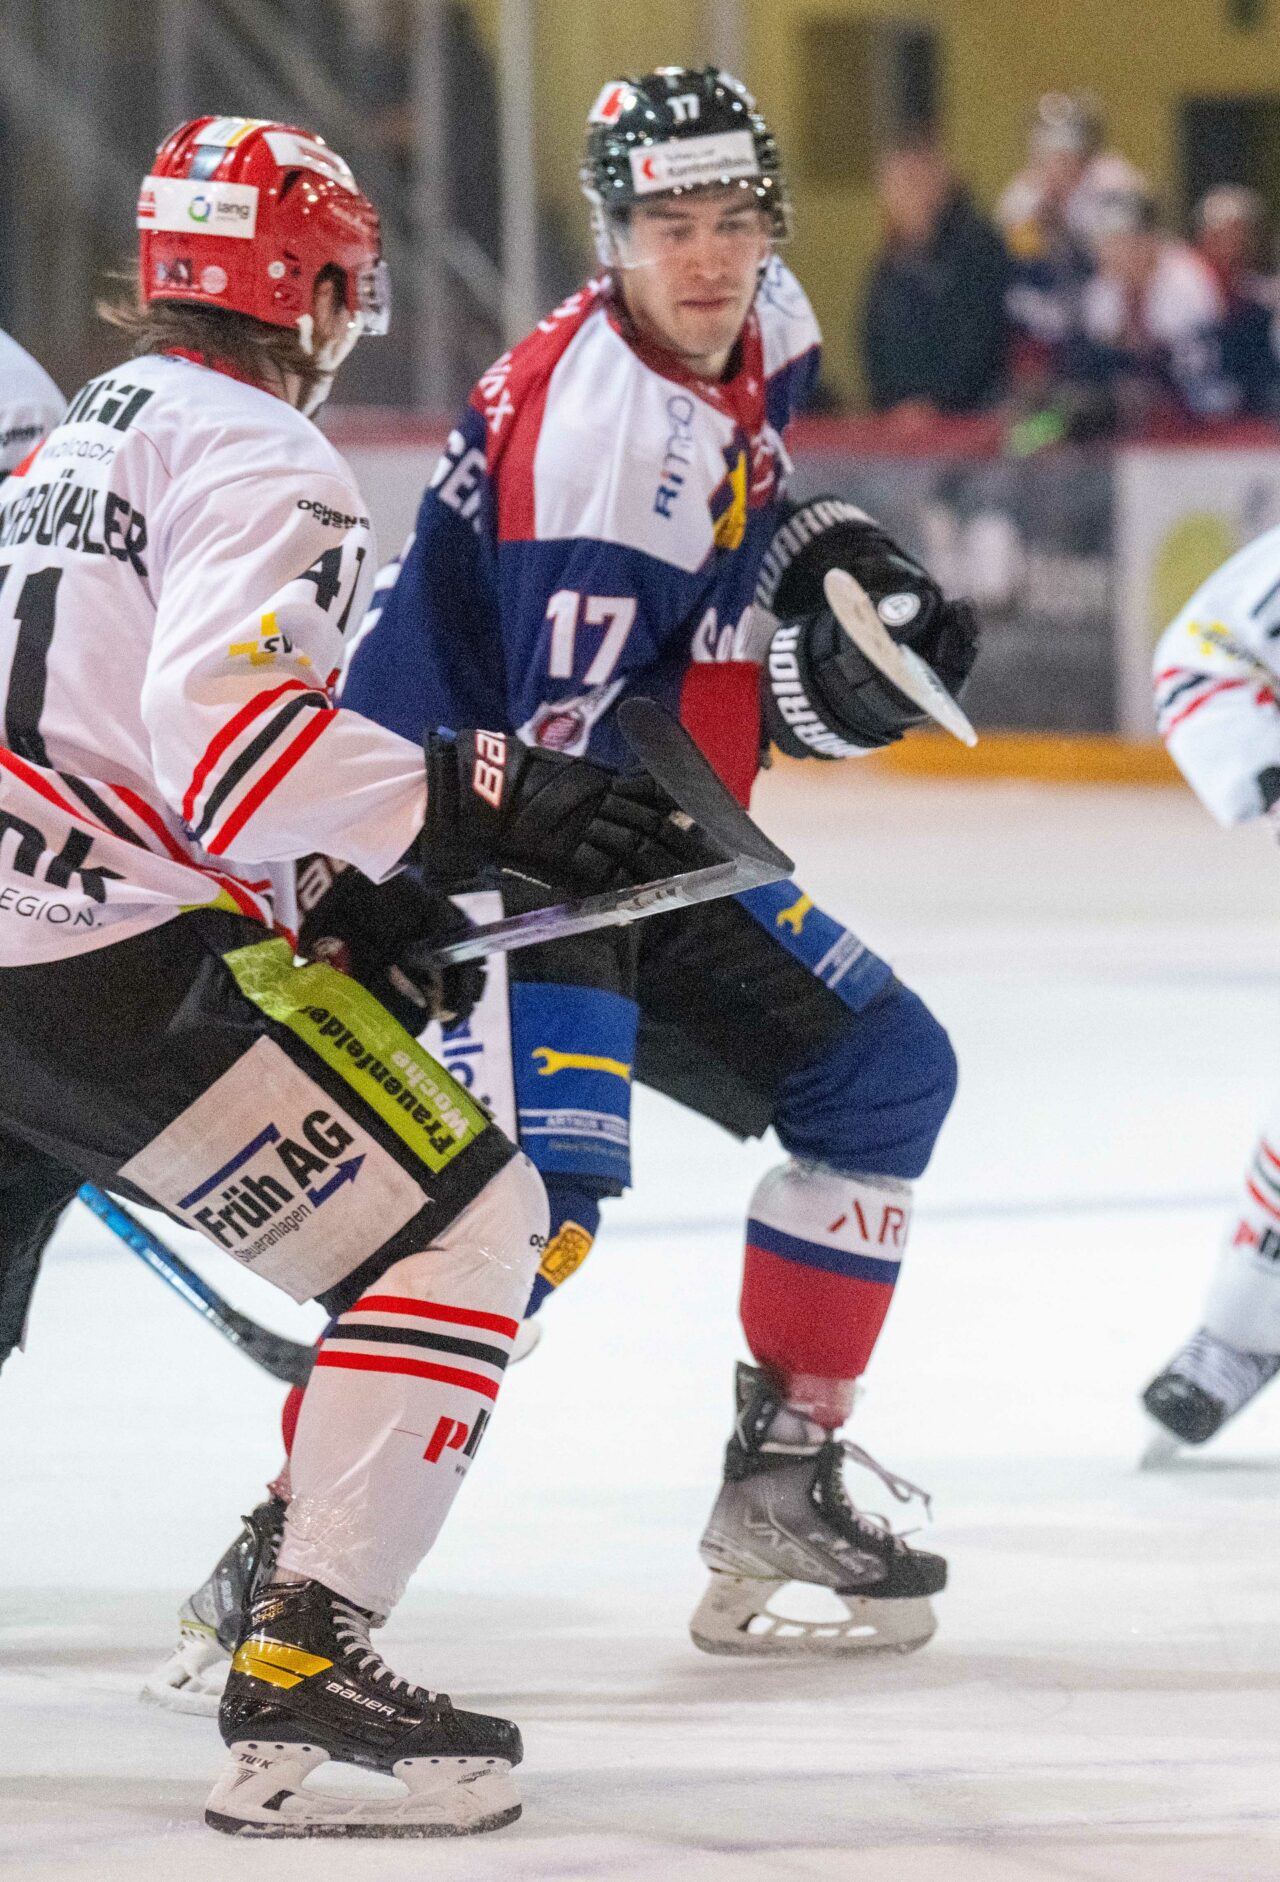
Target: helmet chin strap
<point>328,357</point>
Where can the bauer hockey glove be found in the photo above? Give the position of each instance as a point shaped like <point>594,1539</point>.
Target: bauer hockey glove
<point>370,929</point>
<point>821,695</point>
<point>565,821</point>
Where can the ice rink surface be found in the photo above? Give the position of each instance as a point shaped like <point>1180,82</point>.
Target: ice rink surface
<point>1101,1700</point>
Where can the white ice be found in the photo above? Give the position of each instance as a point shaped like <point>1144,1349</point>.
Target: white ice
<point>1101,1698</point>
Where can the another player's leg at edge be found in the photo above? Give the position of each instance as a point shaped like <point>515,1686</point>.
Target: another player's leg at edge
<point>161,1041</point>
<point>857,1100</point>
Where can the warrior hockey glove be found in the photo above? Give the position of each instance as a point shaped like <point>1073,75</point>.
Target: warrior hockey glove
<point>369,930</point>
<point>565,821</point>
<point>821,696</point>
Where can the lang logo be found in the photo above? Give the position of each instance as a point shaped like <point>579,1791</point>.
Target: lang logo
<point>199,209</point>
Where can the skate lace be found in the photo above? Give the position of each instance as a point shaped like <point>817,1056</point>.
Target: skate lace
<point>1225,1372</point>
<point>901,1488</point>
<point>351,1626</point>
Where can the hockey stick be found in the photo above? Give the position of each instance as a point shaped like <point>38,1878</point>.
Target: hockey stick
<point>670,756</point>
<point>856,613</point>
<point>286,1360</point>
<point>668,753</point>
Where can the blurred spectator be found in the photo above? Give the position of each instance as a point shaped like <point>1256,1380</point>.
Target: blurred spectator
<point>933,323</point>
<point>1152,321</point>
<point>1047,215</point>
<point>1230,237</point>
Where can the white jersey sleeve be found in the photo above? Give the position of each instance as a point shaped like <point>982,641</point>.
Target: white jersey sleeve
<point>30,404</point>
<point>260,579</point>
<point>1217,681</point>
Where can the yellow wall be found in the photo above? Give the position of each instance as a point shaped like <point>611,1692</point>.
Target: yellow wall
<point>1141,57</point>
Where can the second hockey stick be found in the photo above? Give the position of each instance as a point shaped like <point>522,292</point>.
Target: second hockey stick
<point>285,1359</point>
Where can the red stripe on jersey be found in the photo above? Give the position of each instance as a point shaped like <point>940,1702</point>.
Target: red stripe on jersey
<point>145,813</point>
<point>1261,1200</point>
<point>436,1310</point>
<point>416,1368</point>
<point>1222,686</point>
<point>1268,1152</point>
<point>511,467</point>
<point>270,778</point>
<point>255,707</point>
<point>37,782</point>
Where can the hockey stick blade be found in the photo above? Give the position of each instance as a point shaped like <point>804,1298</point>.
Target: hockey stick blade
<point>668,753</point>
<point>285,1359</point>
<point>856,613</point>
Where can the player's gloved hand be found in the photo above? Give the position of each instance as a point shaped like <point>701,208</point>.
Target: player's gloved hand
<point>842,701</point>
<point>373,930</point>
<point>565,821</point>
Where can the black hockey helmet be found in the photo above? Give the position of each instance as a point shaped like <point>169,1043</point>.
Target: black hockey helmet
<point>677,129</point>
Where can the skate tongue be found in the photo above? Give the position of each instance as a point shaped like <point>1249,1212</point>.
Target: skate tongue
<point>351,1625</point>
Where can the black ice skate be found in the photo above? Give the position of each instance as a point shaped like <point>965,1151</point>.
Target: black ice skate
<point>783,1515</point>
<point>305,1687</point>
<point>1204,1385</point>
<point>211,1621</point>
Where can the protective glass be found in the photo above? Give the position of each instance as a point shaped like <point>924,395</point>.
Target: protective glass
<point>373,298</point>
<point>735,231</point>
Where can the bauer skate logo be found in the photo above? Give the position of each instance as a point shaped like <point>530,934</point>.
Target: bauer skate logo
<point>451,1434</point>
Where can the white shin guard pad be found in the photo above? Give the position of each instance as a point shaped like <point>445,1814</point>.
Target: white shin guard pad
<point>401,1393</point>
<point>1243,1303</point>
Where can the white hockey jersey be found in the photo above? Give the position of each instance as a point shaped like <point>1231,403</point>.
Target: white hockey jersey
<point>180,561</point>
<point>30,404</point>
<point>1217,679</point>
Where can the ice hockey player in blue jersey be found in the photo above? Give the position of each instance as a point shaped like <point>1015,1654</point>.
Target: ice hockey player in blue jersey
<point>608,517</point>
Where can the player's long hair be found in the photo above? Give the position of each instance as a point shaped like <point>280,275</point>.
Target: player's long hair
<point>251,349</point>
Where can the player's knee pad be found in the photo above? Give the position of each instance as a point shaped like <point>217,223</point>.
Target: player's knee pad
<point>488,1255</point>
<point>574,1203</point>
<point>822,1260</point>
<point>874,1099</point>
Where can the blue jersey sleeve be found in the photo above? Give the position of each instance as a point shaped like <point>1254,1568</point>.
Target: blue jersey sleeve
<point>430,651</point>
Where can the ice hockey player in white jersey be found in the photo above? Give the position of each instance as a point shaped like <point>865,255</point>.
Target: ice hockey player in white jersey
<point>608,512</point>
<point>30,404</point>
<point>1217,679</point>
<point>182,559</point>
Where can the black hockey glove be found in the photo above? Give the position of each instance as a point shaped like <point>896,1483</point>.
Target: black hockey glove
<point>369,930</point>
<point>565,821</point>
<point>821,696</point>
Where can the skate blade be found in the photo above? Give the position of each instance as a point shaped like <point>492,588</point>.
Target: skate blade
<point>264,1793</point>
<point>1161,1451</point>
<point>735,1616</point>
<point>191,1679</point>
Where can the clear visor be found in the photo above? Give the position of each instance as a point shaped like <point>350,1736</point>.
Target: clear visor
<point>373,298</point>
<point>729,219</point>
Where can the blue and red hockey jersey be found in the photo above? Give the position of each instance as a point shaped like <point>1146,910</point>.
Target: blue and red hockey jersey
<point>595,526</point>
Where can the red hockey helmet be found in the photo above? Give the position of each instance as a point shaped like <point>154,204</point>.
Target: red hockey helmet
<point>244,214</point>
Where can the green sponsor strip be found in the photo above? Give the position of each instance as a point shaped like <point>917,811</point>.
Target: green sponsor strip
<point>412,1094</point>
